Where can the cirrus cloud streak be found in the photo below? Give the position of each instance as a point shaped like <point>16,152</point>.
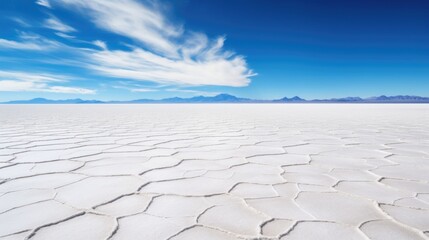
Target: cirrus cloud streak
<point>37,82</point>
<point>151,49</point>
<point>162,52</point>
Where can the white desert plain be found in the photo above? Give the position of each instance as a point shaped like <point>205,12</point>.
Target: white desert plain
<point>214,171</point>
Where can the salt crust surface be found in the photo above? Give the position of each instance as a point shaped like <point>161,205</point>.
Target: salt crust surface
<point>214,171</point>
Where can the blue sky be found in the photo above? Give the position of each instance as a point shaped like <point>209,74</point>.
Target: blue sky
<point>130,49</point>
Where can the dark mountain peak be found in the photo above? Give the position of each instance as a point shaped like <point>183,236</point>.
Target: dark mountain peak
<point>293,99</point>
<point>382,97</point>
<point>38,99</point>
<point>225,95</point>
<point>296,98</point>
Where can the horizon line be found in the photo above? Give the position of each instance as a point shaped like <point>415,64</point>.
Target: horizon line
<point>228,98</point>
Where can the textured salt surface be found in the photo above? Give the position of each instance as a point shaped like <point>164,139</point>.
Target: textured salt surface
<point>214,172</point>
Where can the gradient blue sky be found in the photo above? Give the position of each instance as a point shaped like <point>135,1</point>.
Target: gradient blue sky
<point>130,49</point>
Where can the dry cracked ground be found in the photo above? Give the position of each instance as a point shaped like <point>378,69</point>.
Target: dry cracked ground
<point>214,172</point>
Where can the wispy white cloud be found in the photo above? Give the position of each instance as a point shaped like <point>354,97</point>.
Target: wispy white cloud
<point>100,44</point>
<point>136,87</point>
<point>21,22</point>
<point>25,86</point>
<point>44,3</point>
<point>72,90</point>
<point>9,44</point>
<point>140,64</point>
<point>28,41</point>
<point>32,77</point>
<point>56,24</point>
<point>163,52</point>
<point>36,82</point>
<point>63,35</point>
<point>131,19</point>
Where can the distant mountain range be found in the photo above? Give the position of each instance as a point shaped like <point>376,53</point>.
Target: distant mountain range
<point>226,98</point>
<point>48,101</point>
